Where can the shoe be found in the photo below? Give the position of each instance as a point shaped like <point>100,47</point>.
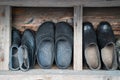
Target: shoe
<point>45,45</point>
<point>63,45</point>
<point>118,51</point>
<point>91,50</point>
<point>106,41</point>
<point>27,50</point>
<point>13,57</point>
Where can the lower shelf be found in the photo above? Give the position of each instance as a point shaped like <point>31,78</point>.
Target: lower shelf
<point>60,72</point>
<point>57,74</point>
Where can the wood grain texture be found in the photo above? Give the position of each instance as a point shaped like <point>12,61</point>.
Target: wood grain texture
<point>78,38</point>
<point>61,3</point>
<point>31,18</point>
<point>5,38</point>
<point>96,15</point>
<point>57,77</point>
<point>60,75</point>
<point>2,13</point>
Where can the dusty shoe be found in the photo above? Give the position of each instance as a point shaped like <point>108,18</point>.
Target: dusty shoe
<point>45,45</point>
<point>91,51</point>
<point>27,50</point>
<point>106,41</point>
<point>63,45</point>
<point>118,51</point>
<point>13,57</point>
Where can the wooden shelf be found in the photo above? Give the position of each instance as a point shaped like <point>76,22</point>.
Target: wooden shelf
<point>61,72</point>
<point>61,3</point>
<point>52,74</point>
<point>74,72</point>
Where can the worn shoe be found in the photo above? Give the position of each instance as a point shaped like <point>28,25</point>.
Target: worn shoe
<point>91,51</point>
<point>118,51</point>
<point>45,45</point>
<point>63,45</point>
<point>106,41</point>
<point>27,50</point>
<point>13,57</point>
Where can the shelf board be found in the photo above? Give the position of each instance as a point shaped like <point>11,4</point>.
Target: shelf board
<point>61,72</point>
<point>61,3</point>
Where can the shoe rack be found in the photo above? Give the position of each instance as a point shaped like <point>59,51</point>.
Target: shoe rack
<point>76,11</point>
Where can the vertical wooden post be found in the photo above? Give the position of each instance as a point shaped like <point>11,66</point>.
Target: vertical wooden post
<point>8,36</point>
<point>5,36</point>
<point>78,38</point>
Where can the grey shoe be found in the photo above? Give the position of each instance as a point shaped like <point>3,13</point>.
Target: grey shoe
<point>24,60</point>
<point>63,45</point>
<point>27,50</point>
<point>45,45</point>
<point>13,57</point>
<point>118,51</point>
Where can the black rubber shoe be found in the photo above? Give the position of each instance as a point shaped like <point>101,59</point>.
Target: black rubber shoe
<point>106,41</point>
<point>91,50</point>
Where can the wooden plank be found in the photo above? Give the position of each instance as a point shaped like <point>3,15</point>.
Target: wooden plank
<point>62,72</point>
<point>109,14</point>
<point>56,77</point>
<point>5,37</point>
<point>61,3</point>
<point>78,38</point>
<point>60,75</point>
<point>1,37</point>
<point>23,18</point>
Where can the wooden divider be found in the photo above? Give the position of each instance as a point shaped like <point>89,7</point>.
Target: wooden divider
<point>5,36</point>
<point>77,38</point>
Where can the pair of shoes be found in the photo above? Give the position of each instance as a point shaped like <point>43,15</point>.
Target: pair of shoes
<point>22,51</point>
<point>105,54</point>
<point>54,41</point>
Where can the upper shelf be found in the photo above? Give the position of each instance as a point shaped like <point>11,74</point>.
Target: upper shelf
<point>61,3</point>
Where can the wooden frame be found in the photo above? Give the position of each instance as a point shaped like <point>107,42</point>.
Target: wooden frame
<point>77,73</point>
<point>6,35</point>
<point>61,3</point>
<point>78,38</point>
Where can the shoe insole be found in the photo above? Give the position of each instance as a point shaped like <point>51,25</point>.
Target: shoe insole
<point>63,53</point>
<point>45,53</point>
<point>91,54</point>
<point>15,62</point>
<point>107,55</point>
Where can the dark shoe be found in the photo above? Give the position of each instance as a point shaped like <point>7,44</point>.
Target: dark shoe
<point>45,45</point>
<point>13,57</point>
<point>106,41</point>
<point>27,50</point>
<point>118,51</point>
<point>91,51</point>
<point>63,45</point>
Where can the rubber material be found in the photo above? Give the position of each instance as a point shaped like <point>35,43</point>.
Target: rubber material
<point>63,45</point>
<point>106,38</point>
<point>13,57</point>
<point>27,50</point>
<point>89,38</point>
<point>45,45</point>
